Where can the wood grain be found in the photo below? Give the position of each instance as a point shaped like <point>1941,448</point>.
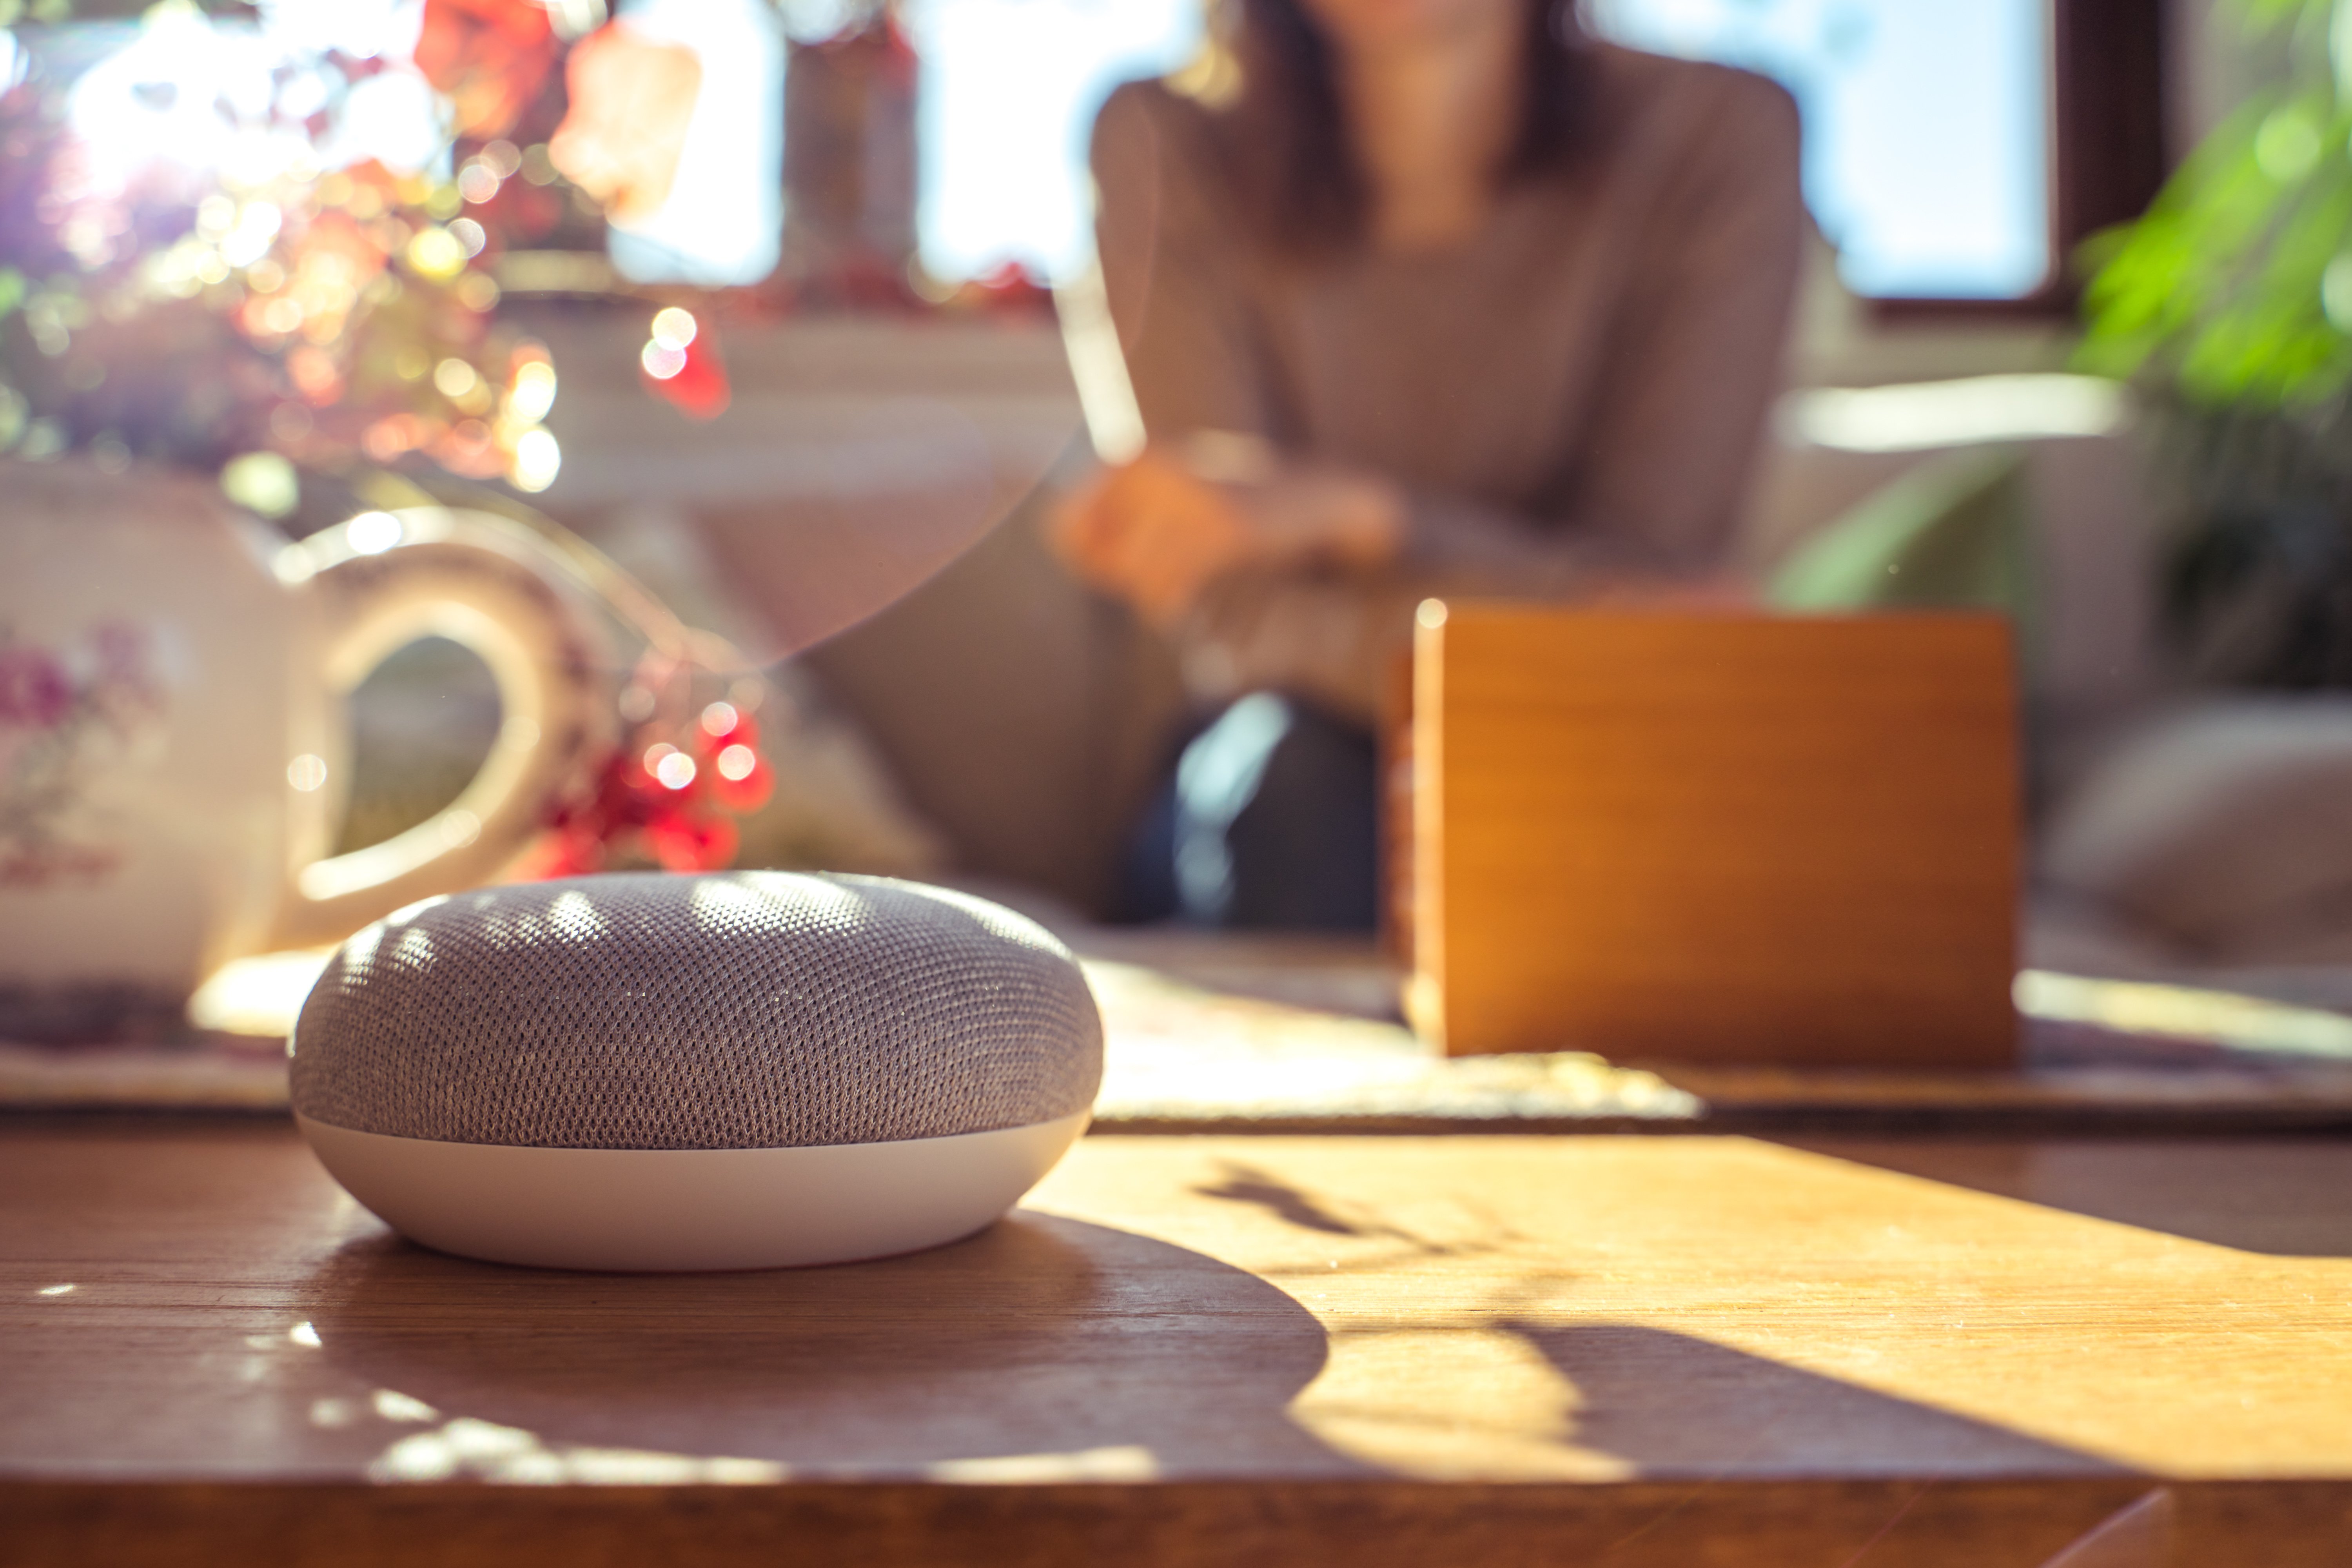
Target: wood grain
<point>1669,1351</point>
<point>1716,837</point>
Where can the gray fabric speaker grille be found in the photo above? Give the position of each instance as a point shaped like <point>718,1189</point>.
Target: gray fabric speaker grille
<point>745,1010</point>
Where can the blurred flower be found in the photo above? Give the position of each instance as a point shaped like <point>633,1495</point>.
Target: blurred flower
<point>488,57</point>
<point>681,364</point>
<point>469,448</point>
<point>632,99</point>
<point>315,375</point>
<point>268,243</point>
<point>34,690</point>
<point>395,433</point>
<point>690,844</point>
<point>741,780</point>
<point>656,799</point>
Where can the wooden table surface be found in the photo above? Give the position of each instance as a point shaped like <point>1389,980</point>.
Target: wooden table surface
<point>1491,1350</point>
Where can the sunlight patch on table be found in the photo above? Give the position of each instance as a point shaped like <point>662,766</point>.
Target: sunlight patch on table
<point>391,1405</point>
<point>1177,1051</point>
<point>483,1450</point>
<point>1128,1462</point>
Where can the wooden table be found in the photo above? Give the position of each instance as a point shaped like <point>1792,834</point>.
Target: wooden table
<point>1680,1351</point>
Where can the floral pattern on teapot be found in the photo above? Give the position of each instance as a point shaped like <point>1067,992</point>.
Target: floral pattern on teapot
<point>68,716</point>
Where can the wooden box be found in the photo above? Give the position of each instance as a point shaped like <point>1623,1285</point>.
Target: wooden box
<point>1714,837</point>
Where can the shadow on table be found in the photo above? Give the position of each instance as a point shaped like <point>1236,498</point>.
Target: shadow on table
<point>1679,1408</point>
<point>1674,1405</point>
<point>1427,1385</point>
<point>1048,1348</point>
<point>2286,1197</point>
<point>1078,1351</point>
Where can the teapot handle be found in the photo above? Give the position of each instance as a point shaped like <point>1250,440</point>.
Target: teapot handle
<point>379,582</point>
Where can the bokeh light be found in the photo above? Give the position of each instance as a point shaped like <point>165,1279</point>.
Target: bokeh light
<point>533,392</point>
<point>437,253</point>
<point>673,327</point>
<point>372,533</point>
<point>261,482</point>
<point>537,460</point>
<point>661,361</point>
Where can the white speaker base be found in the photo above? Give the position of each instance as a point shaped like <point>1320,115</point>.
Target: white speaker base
<point>663,1210</point>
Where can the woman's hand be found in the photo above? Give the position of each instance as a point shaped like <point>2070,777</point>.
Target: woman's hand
<point>1158,531</point>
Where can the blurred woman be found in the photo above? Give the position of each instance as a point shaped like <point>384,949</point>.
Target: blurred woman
<point>1418,296</point>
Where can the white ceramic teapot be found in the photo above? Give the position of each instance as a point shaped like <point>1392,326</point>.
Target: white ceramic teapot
<point>172,759</point>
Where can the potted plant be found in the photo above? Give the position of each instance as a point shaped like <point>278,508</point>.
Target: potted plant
<point>2228,305</point>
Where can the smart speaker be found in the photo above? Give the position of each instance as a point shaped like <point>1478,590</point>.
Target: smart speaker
<point>727,1070</point>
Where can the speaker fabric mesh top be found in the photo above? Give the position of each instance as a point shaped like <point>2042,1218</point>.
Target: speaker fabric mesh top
<point>738,1010</point>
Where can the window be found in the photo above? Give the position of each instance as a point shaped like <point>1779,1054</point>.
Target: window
<point>1927,136</point>
<point>1009,94</point>
<point>1957,150</point>
<point>723,217</point>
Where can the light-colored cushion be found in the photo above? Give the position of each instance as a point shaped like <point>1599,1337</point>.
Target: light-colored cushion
<point>2226,824</point>
<point>2088,532</point>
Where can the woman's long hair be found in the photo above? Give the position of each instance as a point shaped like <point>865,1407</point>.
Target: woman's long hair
<point>1272,72</point>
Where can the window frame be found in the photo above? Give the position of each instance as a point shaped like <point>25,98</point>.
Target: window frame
<point>2109,153</point>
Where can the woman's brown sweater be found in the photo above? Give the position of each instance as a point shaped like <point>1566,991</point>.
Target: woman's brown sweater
<point>1573,394</point>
